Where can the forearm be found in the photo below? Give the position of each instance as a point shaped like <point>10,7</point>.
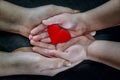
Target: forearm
<point>10,12</point>
<point>7,64</point>
<point>104,16</point>
<point>107,52</point>
<point>9,15</point>
<point>15,63</point>
<point>18,63</point>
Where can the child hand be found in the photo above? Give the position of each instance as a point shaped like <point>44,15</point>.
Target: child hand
<point>73,22</point>
<point>73,50</point>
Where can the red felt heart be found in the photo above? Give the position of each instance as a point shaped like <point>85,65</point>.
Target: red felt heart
<point>58,35</point>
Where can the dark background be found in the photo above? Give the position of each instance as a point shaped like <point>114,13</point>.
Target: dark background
<point>87,70</point>
<point>82,5</point>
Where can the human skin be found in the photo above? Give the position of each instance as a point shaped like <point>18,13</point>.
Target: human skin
<point>20,62</point>
<point>81,23</point>
<point>104,16</point>
<point>77,46</point>
<point>75,53</point>
<point>19,20</point>
<point>107,52</point>
<point>22,20</point>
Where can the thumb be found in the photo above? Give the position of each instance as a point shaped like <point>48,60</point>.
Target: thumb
<point>58,54</point>
<point>67,25</point>
<point>55,53</point>
<point>53,20</point>
<point>61,55</point>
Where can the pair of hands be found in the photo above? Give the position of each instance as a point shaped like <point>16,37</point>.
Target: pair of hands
<point>75,24</point>
<point>33,63</point>
<point>74,50</point>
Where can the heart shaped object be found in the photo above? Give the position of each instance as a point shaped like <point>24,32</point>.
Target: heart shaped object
<point>58,35</point>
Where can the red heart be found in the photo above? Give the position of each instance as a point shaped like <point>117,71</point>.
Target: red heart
<point>58,35</point>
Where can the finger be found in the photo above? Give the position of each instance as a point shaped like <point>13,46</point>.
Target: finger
<point>93,33</point>
<point>62,20</point>
<point>64,46</point>
<point>60,63</point>
<point>56,53</point>
<point>89,36</point>
<point>46,40</point>
<point>67,25</point>
<point>52,53</point>
<point>41,44</point>
<point>56,63</point>
<point>40,51</point>
<point>74,33</point>
<point>40,36</point>
<point>30,37</point>
<point>73,41</point>
<point>53,20</point>
<point>44,52</point>
<point>59,54</point>
<point>38,29</point>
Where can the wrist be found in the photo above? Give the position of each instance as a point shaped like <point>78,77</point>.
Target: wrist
<point>95,50</point>
<point>91,50</point>
<point>94,21</point>
<point>83,21</point>
<point>90,22</point>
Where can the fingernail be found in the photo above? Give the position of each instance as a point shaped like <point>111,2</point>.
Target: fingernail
<point>32,42</point>
<point>43,21</point>
<point>93,33</point>
<point>30,37</point>
<point>34,49</point>
<point>67,64</point>
<point>76,11</point>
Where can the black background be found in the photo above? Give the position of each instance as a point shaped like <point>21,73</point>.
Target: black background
<point>87,70</point>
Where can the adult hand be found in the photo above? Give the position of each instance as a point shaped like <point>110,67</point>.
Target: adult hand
<point>73,50</point>
<point>28,63</point>
<point>21,20</point>
<point>74,23</point>
<point>36,15</point>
